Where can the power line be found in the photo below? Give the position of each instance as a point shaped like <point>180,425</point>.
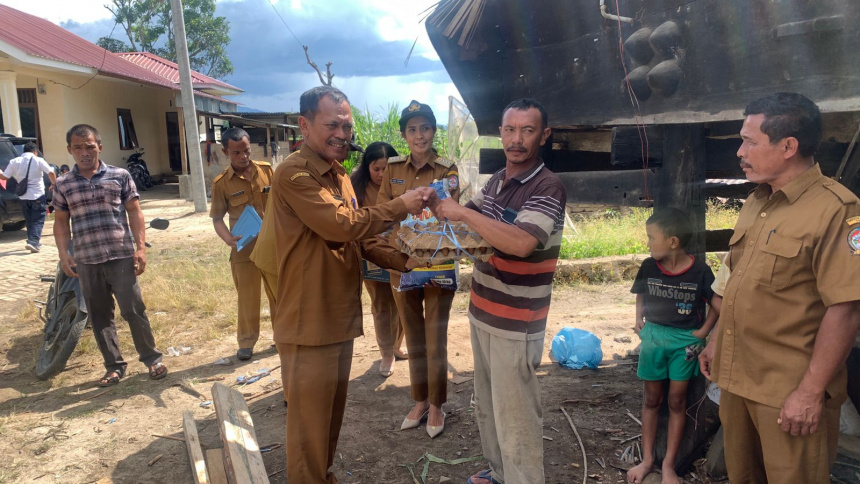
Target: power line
<point>285,24</point>
<point>98,69</point>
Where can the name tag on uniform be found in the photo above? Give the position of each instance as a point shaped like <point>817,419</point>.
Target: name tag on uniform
<point>397,181</point>
<point>240,192</point>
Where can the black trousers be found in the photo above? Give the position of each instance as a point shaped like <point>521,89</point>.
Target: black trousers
<point>100,283</point>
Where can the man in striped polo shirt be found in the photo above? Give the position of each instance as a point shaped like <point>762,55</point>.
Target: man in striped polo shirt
<point>520,212</point>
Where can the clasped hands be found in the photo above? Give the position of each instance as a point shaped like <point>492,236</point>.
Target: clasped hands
<point>425,197</point>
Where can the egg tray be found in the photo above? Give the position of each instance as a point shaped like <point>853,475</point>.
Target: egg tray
<point>434,242</point>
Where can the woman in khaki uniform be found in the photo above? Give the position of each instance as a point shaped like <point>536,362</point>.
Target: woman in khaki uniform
<point>423,312</point>
<point>389,332</point>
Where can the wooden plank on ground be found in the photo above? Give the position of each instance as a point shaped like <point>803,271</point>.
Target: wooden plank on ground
<point>849,446</point>
<point>215,464</point>
<point>242,459</point>
<point>195,453</point>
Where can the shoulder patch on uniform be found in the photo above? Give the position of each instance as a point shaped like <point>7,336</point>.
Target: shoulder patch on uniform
<point>396,159</point>
<point>299,175</point>
<point>444,162</point>
<point>854,240</point>
<point>842,193</point>
<point>853,221</point>
<point>220,176</point>
<point>263,163</point>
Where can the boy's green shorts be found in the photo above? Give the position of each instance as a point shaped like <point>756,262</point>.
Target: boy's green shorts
<point>668,352</point>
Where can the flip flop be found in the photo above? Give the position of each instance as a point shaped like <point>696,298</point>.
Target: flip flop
<point>483,477</point>
<point>157,371</point>
<point>108,380</point>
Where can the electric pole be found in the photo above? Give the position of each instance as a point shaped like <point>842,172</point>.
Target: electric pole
<point>192,135</point>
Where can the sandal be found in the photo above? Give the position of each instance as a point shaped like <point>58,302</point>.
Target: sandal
<point>157,371</point>
<point>111,378</point>
<point>483,477</point>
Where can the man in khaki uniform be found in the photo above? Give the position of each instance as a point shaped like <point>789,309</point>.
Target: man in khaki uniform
<point>318,227</point>
<point>790,310</point>
<point>265,258</point>
<point>243,183</point>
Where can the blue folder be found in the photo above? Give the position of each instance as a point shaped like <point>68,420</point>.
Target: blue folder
<point>248,226</point>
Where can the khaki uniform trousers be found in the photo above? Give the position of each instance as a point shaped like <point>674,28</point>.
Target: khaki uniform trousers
<point>386,323</point>
<point>270,285</point>
<point>508,406</point>
<point>424,315</point>
<point>246,279</point>
<point>758,451</point>
<point>315,381</point>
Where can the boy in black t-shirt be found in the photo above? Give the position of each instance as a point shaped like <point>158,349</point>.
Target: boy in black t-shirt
<point>672,291</point>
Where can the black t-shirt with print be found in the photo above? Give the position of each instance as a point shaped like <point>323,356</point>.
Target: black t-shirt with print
<point>676,300</point>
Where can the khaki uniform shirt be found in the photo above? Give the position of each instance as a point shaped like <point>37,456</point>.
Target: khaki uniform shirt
<point>402,175</point>
<point>791,256</point>
<point>263,254</point>
<point>318,226</point>
<point>231,192</point>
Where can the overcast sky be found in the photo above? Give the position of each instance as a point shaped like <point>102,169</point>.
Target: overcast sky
<point>368,42</point>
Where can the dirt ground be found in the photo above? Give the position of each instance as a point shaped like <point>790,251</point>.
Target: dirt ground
<point>69,430</point>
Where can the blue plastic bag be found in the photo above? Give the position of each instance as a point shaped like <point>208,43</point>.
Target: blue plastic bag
<point>577,349</point>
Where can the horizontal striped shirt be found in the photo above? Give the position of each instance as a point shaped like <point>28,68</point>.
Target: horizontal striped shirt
<point>511,295</point>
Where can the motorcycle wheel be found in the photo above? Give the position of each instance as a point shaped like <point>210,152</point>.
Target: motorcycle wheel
<point>59,345</point>
<point>139,180</point>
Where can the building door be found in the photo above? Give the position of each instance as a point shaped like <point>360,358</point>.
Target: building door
<point>174,147</point>
<point>29,111</point>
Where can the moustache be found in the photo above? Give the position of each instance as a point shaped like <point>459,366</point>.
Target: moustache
<point>745,165</point>
<point>517,148</point>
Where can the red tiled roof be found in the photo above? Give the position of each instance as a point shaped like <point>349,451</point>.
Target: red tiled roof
<point>41,38</point>
<point>169,70</point>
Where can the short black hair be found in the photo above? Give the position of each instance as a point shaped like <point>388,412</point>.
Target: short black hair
<point>524,104</point>
<point>310,100</point>
<point>234,134</point>
<point>64,167</point>
<point>674,222</point>
<point>82,131</point>
<point>789,114</point>
<point>30,147</point>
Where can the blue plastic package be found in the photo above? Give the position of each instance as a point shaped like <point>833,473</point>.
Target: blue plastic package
<point>577,349</point>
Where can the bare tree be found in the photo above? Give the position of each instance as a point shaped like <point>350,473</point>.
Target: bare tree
<point>328,75</point>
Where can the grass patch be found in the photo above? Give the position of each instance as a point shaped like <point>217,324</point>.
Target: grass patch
<point>189,296</point>
<point>616,233</point>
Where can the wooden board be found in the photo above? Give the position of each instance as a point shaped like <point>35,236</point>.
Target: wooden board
<point>195,453</point>
<point>849,446</point>
<point>215,465</point>
<point>242,459</point>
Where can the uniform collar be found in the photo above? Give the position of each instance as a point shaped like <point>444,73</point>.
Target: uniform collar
<point>433,158</point>
<point>795,188</point>
<point>318,163</point>
<point>231,171</point>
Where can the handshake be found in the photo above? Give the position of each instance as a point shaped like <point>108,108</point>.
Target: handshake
<point>416,200</point>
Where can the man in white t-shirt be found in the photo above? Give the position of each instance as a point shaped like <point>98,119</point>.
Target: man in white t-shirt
<point>33,204</point>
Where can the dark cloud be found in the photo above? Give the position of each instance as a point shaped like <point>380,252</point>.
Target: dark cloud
<point>262,46</point>
<point>269,61</point>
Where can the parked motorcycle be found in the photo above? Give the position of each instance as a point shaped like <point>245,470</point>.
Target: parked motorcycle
<point>138,170</point>
<point>65,316</point>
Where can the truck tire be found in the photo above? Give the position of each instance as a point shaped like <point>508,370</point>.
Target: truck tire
<point>59,346</point>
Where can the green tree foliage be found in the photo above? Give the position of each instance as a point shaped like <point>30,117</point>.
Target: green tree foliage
<point>148,24</point>
<point>370,127</point>
<point>113,45</point>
